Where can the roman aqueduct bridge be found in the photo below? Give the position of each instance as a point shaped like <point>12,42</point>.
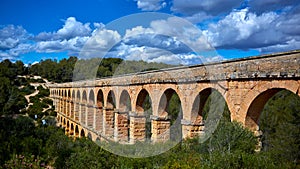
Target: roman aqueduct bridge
<point>112,108</point>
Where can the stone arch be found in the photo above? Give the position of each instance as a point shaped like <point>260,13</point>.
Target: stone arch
<point>141,98</point>
<point>100,99</point>
<point>98,140</point>
<point>89,136</point>
<point>83,118</point>
<point>84,97</point>
<point>69,94</point>
<point>90,109</point>
<point>72,130</point>
<point>125,102</point>
<point>99,111</point>
<point>262,91</point>
<point>65,101</point>
<point>174,131</point>
<point>67,129</point>
<point>72,105</point>
<point>111,100</point>
<point>77,105</point>
<point>256,107</point>
<point>144,108</point>
<point>64,122</point>
<point>76,131</point>
<point>91,97</point>
<point>200,101</point>
<point>82,133</point>
<point>164,101</point>
<point>108,116</point>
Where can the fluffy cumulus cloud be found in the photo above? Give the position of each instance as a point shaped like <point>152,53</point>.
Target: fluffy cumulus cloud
<point>14,40</point>
<point>71,29</point>
<point>71,37</point>
<point>150,5</point>
<point>242,29</point>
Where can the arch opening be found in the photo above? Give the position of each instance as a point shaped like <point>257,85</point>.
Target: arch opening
<point>109,117</point>
<point>209,111</point>
<point>82,134</point>
<point>90,109</point>
<point>111,100</point>
<point>274,117</point>
<point>125,102</point>
<point>72,130</point>
<point>76,131</point>
<point>99,113</point>
<point>89,136</point>
<point>72,115</point>
<point>83,119</point>
<point>144,107</point>
<point>208,101</point>
<point>170,115</point>
<point>77,106</point>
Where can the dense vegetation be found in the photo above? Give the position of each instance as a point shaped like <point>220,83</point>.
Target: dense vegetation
<point>30,139</point>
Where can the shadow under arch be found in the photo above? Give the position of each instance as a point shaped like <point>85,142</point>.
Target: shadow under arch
<point>72,130</point>
<point>89,136</point>
<point>144,109</point>
<point>207,99</point>
<point>125,101</point>
<point>76,131</point>
<point>99,111</point>
<point>257,105</point>
<point>209,108</point>
<point>278,124</point>
<point>90,109</point>
<point>170,114</point>
<point>82,133</point>
<point>109,116</point>
<point>77,106</point>
<point>83,108</point>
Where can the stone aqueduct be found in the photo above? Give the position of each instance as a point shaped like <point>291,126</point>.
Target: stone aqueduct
<point>111,108</point>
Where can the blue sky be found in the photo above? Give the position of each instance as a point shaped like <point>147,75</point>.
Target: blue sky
<point>32,30</point>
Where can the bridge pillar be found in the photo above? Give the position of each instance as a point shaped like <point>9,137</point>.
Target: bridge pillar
<point>90,115</point>
<point>67,109</point>
<point>99,119</point>
<point>72,109</point>
<point>121,126</point>
<point>108,122</point>
<point>82,115</point>
<point>160,129</point>
<point>60,105</point>
<point>190,130</point>
<point>137,128</point>
<point>76,111</point>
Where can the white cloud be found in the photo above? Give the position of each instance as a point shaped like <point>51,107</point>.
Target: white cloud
<point>100,43</point>
<point>71,29</point>
<point>242,29</point>
<point>270,31</point>
<point>14,41</point>
<point>11,36</point>
<point>150,5</point>
<point>71,37</point>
